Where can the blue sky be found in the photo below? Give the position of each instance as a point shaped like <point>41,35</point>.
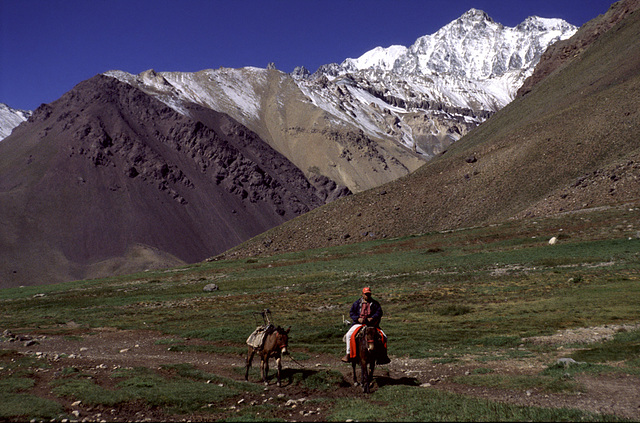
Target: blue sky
<point>49,46</point>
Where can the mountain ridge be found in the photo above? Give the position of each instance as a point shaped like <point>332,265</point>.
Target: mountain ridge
<point>570,144</point>
<point>133,172</point>
<point>409,115</point>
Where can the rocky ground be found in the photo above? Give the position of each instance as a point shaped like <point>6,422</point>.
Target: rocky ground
<point>106,349</point>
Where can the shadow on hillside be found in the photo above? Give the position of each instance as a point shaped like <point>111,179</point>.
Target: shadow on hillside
<point>291,376</point>
<point>295,376</point>
<point>386,380</point>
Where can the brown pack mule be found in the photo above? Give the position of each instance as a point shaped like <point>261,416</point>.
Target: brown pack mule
<point>275,345</point>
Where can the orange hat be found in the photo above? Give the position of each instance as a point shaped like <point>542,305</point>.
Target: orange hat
<point>366,290</point>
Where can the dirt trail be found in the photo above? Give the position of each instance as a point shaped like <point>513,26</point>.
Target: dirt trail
<point>106,349</point>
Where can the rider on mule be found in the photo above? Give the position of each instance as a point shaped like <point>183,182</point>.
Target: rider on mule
<point>366,311</point>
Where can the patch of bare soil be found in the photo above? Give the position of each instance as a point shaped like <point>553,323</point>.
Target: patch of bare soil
<point>100,352</point>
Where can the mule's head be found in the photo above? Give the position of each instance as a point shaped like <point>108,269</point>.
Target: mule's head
<point>282,339</point>
<point>370,336</point>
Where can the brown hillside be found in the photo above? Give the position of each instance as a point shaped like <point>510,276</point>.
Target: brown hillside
<point>572,142</point>
<point>108,180</point>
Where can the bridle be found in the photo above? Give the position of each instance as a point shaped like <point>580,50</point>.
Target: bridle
<point>283,341</point>
<point>369,334</point>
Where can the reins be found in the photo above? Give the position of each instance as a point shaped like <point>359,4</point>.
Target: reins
<point>296,361</point>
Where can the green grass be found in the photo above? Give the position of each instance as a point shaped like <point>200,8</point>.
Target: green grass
<point>556,383</point>
<point>88,392</point>
<point>15,384</point>
<point>407,404</point>
<point>477,291</point>
<point>624,347</point>
<point>183,390</point>
<point>322,380</point>
<point>16,406</point>
<point>16,379</point>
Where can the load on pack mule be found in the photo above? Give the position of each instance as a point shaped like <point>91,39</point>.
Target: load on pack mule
<point>269,341</point>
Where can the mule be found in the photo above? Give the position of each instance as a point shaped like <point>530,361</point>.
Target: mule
<point>275,345</point>
<point>367,350</point>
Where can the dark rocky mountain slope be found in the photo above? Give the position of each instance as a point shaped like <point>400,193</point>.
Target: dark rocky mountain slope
<point>108,180</point>
<point>571,143</point>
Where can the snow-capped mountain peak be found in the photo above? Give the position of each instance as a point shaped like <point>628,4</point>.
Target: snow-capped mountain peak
<point>421,98</point>
<point>457,76</point>
<point>474,17</point>
<point>379,58</point>
<point>10,118</point>
<point>472,46</point>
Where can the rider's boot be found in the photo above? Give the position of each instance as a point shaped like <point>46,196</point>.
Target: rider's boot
<point>383,358</point>
<point>346,358</point>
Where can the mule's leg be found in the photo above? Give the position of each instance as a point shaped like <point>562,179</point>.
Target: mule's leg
<point>264,367</point>
<point>250,354</point>
<point>372,367</point>
<point>279,363</point>
<point>355,378</point>
<point>365,377</point>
